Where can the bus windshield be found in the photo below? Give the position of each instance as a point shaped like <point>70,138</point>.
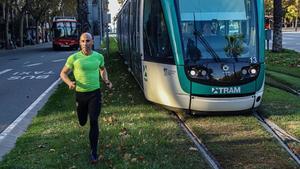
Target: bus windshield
<point>218,30</point>
<point>65,29</point>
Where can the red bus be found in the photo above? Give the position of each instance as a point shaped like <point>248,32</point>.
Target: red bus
<point>65,33</point>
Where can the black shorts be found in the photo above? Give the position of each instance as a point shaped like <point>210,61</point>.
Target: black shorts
<point>88,103</point>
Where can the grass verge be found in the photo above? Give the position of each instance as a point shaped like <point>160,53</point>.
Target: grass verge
<point>291,81</point>
<point>287,62</point>
<point>279,106</point>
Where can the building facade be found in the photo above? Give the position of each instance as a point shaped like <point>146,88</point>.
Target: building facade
<point>98,14</point>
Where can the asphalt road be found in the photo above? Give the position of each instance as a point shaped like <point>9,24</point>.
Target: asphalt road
<point>290,40</point>
<point>24,75</point>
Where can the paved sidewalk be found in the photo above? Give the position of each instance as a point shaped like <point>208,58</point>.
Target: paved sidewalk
<point>290,29</point>
<point>5,51</point>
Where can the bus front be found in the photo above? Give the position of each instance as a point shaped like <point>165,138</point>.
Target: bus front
<point>223,59</point>
<point>65,34</point>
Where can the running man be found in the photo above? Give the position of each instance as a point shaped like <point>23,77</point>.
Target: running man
<point>87,66</point>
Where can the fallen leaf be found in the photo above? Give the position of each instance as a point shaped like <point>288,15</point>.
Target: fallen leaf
<point>141,158</point>
<point>193,149</point>
<point>41,146</point>
<point>133,160</point>
<point>127,156</point>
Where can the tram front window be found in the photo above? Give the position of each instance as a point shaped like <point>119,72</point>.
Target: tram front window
<point>218,30</point>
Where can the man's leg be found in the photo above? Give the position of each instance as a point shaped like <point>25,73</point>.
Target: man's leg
<point>81,108</point>
<point>94,108</point>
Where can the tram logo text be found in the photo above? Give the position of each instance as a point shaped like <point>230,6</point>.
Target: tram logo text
<point>226,90</point>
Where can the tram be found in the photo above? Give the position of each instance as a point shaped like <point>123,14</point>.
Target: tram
<point>195,55</point>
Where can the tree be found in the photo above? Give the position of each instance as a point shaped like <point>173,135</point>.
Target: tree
<point>291,14</point>
<point>82,11</point>
<point>120,2</point>
<point>268,7</point>
<point>277,26</point>
<point>67,8</point>
<point>22,7</point>
<point>39,9</point>
<point>7,20</point>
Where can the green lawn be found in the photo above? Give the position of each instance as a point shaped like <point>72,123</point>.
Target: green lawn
<point>287,62</point>
<point>283,81</point>
<point>291,81</point>
<point>282,107</point>
<point>134,133</point>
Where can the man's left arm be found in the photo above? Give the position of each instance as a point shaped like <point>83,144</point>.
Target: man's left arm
<point>104,76</point>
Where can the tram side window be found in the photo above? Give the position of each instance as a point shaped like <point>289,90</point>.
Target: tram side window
<point>156,38</point>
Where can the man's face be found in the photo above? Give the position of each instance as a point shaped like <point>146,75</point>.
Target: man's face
<point>86,42</point>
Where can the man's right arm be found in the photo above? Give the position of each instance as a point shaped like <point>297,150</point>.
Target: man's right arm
<point>64,76</point>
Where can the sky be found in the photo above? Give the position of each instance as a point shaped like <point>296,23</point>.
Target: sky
<point>113,8</point>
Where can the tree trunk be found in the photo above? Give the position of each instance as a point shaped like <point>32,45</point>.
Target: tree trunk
<point>42,34</point>
<point>277,32</point>
<point>37,32</point>
<point>7,44</point>
<point>21,33</point>
<point>296,21</point>
<point>82,11</point>
<point>296,24</point>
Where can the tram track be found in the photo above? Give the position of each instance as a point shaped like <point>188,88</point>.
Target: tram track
<point>198,143</point>
<point>280,135</point>
<point>285,139</point>
<point>285,88</point>
<point>275,83</point>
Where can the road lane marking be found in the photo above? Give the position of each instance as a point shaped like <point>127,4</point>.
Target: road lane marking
<point>286,38</point>
<point>31,75</point>
<point>5,71</point>
<point>59,60</point>
<point>35,64</point>
<point>7,131</point>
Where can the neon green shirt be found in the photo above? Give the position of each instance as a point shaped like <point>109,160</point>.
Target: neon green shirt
<point>86,70</point>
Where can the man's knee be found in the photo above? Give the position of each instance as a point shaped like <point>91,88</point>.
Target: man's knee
<point>82,122</point>
<point>94,122</point>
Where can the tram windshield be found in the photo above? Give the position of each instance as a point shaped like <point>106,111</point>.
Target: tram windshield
<point>218,30</point>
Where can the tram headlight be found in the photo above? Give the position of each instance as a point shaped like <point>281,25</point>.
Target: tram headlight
<point>203,73</point>
<point>253,71</point>
<point>193,73</point>
<point>244,71</point>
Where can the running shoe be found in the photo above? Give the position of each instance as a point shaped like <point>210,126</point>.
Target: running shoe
<point>94,158</point>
